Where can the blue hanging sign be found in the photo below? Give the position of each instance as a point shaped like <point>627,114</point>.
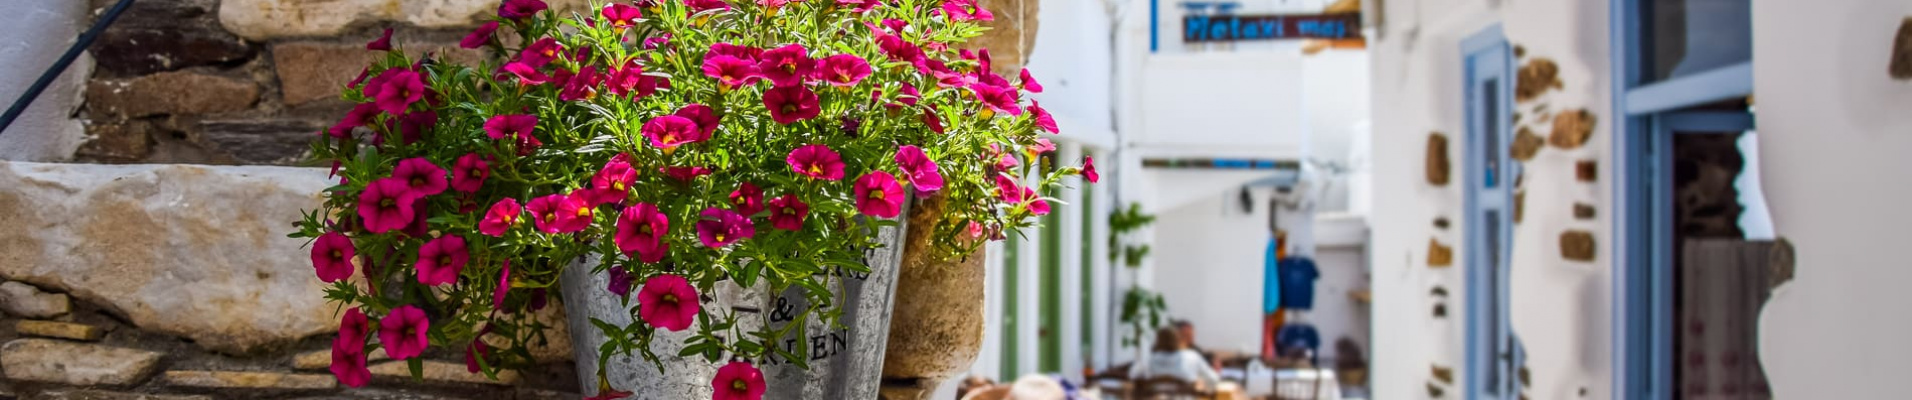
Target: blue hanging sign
<point>1231,28</point>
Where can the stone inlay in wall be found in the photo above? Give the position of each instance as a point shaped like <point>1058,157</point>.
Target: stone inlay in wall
<point>1583,211</point>
<point>1572,128</point>
<point>1577,245</point>
<point>1441,223</point>
<point>1536,77</point>
<point>59,330</point>
<point>1437,161</point>
<point>1439,255</point>
<point>1901,65</point>
<point>1526,144</point>
<point>58,361</point>
<point>1586,171</point>
<point>169,93</point>
<point>1520,205</point>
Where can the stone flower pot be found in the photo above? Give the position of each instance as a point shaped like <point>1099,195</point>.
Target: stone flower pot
<point>844,364</point>
<point>937,329</point>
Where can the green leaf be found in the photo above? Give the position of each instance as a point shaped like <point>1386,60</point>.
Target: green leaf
<point>417,366</point>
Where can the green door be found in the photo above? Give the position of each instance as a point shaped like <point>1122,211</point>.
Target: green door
<point>1010,350</point>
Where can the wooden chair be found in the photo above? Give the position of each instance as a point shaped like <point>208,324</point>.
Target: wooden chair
<point>1166,388</point>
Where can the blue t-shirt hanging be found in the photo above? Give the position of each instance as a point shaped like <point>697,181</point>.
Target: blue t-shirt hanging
<point>1270,281</point>
<point>1298,276</point>
<point>1299,336</point>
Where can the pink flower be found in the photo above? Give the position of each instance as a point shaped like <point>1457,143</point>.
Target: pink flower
<point>386,204</point>
<point>631,79</point>
<point>684,174</point>
<point>1029,82</point>
<point>605,392</point>
<point>1088,169</point>
<point>518,127</point>
<point>412,126</point>
<point>1037,205</point>
<point>934,122</point>
<point>541,52</point>
<point>382,43</point>
<point>816,161</point>
<point>441,259</point>
<point>919,169</point>
<point>1044,121</point>
<point>641,230</point>
<point>706,118</point>
<point>670,131</point>
<point>1002,99</point>
<point>843,70</point>
<point>697,6</point>
<point>612,184</point>
<point>732,72</point>
<point>966,10</point>
<point>1007,189</point>
<point>858,6</point>
<point>620,282</point>
<point>363,72</point>
<point>469,173</point>
<point>720,227</point>
<point>878,195</point>
<point>738,381</point>
<point>772,4</point>
<point>560,214</point>
<point>747,199</point>
<point>403,332</point>
<point>657,42</point>
<point>791,104</point>
<point>419,174</point>
<point>621,15</point>
<point>479,37</point>
<point>787,212</point>
<point>348,361</point>
<point>504,286</point>
<point>332,257</point>
<point>668,302</point>
<point>478,349</point>
<point>946,77</point>
<point>746,53</point>
<point>786,66</point>
<point>898,49</point>
<point>360,115</point>
<point>354,328</point>
<point>583,86</point>
<point>527,75</point>
<point>516,9</point>
<point>907,97</point>
<point>500,218</point>
<point>1043,145</point>
<point>398,91</point>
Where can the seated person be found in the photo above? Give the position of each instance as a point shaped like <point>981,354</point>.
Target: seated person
<point>1172,357</point>
<point>1187,330</point>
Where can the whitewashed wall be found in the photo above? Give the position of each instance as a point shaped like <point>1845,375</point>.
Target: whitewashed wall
<point>1834,132</point>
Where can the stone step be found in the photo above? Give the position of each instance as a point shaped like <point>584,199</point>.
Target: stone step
<point>322,359</point>
<point>442,372</point>
<point>78,364</point>
<point>106,395</point>
<point>60,330</point>
<point>248,380</point>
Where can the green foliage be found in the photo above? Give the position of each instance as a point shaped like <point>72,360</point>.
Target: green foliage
<point>1142,312</point>
<point>1121,223</point>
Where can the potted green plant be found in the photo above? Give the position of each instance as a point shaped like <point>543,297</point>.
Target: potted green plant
<point>711,185</point>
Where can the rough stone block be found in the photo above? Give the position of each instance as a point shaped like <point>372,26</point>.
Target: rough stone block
<point>322,359</point>
<point>60,330</point>
<point>1572,128</point>
<point>106,395</point>
<point>1577,245</point>
<point>248,380</point>
<point>1439,255</point>
<point>1586,171</point>
<point>129,141</point>
<point>1437,161</point>
<point>1583,211</point>
<point>26,301</point>
<point>79,364</point>
<point>312,71</point>
<point>1901,66</point>
<point>266,19</point>
<point>261,141</point>
<point>169,93</point>
<point>1526,144</point>
<point>1536,77</point>
<point>442,372</point>
<point>191,251</point>
<point>165,35</point>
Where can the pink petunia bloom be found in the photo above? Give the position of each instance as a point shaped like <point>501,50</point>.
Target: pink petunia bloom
<point>363,72</point>
<point>791,104</point>
<point>559,213</point>
<point>697,6</point>
<point>1001,99</point>
<point>745,53</point>
<point>403,332</point>
<point>706,118</point>
<point>898,49</point>
<point>360,115</point>
<point>1007,189</point>
<point>412,126</point>
<point>527,75</point>
<point>621,15</point>
<point>719,227</point>
<point>421,176</point>
<point>772,4</point>
<point>948,78</point>
<point>398,91</point>
<point>817,162</point>
<point>612,184</point>
<point>420,216</point>
<point>1042,146</point>
<point>385,205</point>
<point>966,10</point>
<point>786,66</point>
<point>657,42</point>
<point>843,70</point>
<point>518,127</point>
<point>479,37</point>
<point>670,131</point>
<point>732,72</point>
<point>441,259</point>
<point>332,257</point>
<point>877,194</point>
<point>382,43</point>
<point>583,86</point>
<point>1029,82</point>
<point>738,381</point>
<point>895,26</point>
<point>934,122</point>
<point>919,170</point>
<point>354,328</point>
<point>469,173</point>
<point>504,286</point>
<point>348,362</point>
<point>1043,119</point>
<point>620,281</point>
<point>516,9</point>
<point>641,230</point>
<point>631,79</point>
<point>668,302</point>
<point>1037,205</point>
<point>477,350</point>
<point>500,218</point>
<point>858,6</point>
<point>787,212</point>
<point>747,199</point>
<point>1088,169</point>
<point>605,392</point>
<point>684,174</point>
<point>541,52</point>
<point>907,97</point>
